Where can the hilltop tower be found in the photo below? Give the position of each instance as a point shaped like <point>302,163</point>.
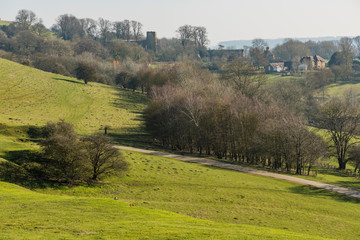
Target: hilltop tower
<point>151,41</point>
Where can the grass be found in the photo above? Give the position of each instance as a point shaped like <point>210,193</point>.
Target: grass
<point>2,22</point>
<point>225,196</point>
<point>32,97</point>
<point>29,215</point>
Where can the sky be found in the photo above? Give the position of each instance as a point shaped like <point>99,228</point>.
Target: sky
<point>224,19</point>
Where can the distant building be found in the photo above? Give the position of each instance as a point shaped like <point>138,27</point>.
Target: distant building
<point>313,62</point>
<point>151,41</point>
<point>275,67</point>
<point>268,54</point>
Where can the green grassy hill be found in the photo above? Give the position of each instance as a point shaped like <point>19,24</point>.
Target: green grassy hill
<point>4,22</point>
<point>169,199</point>
<point>29,215</point>
<point>32,97</point>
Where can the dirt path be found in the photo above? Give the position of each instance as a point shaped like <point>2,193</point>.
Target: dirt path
<point>210,162</point>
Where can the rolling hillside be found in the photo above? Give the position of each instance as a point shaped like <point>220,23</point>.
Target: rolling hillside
<point>160,198</point>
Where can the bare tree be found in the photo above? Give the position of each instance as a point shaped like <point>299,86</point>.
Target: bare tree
<point>341,120</point>
<point>243,76</point>
<point>67,27</point>
<point>357,42</point>
<point>200,36</point>
<point>25,18</point>
<point>103,156</point>
<point>104,30</point>
<point>259,44</point>
<point>89,26</point>
<point>186,34</point>
<point>137,30</point>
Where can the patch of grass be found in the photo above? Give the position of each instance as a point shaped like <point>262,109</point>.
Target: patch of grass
<point>29,215</point>
<point>2,22</point>
<point>32,97</point>
<point>227,197</point>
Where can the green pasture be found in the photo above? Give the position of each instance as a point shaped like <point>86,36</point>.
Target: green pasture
<point>225,196</point>
<point>32,97</point>
<point>29,215</point>
<point>159,198</point>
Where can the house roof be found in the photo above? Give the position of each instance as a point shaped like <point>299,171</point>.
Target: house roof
<point>318,58</point>
<point>278,64</point>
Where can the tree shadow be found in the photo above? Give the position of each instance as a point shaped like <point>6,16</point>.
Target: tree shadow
<point>132,137</point>
<point>127,100</point>
<point>318,192</point>
<point>67,80</point>
<point>24,168</point>
<point>341,83</point>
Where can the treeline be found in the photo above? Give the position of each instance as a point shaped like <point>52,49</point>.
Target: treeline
<point>235,117</point>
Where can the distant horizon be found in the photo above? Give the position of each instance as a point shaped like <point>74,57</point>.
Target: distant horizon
<point>228,20</point>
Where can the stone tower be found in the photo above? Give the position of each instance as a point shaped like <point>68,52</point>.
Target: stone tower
<point>151,41</point>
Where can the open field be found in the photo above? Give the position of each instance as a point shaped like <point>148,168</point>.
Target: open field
<point>32,97</point>
<point>226,196</point>
<point>4,22</point>
<point>29,215</point>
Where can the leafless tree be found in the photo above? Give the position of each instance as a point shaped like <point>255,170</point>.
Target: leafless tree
<point>137,30</point>
<point>340,117</point>
<point>25,18</point>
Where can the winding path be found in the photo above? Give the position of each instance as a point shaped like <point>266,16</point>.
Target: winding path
<point>214,163</point>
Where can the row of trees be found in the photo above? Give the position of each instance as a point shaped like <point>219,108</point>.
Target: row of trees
<point>200,114</point>
<point>69,27</point>
<point>233,117</point>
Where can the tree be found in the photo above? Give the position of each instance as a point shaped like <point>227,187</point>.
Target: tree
<point>291,50</point>
<point>357,42</point>
<point>104,158</point>
<point>104,30</point>
<point>340,118</point>
<point>39,29</point>
<point>341,61</point>
<point>200,36</point>
<point>243,76</point>
<point>257,57</point>
<point>86,72</point>
<point>137,30</point>
<point>67,27</point>
<point>25,18</point>
<point>259,44</point>
<point>123,79</point>
<point>89,27</point>
<point>26,43</point>
<point>63,152</point>
<point>186,34</point>
<point>354,157</point>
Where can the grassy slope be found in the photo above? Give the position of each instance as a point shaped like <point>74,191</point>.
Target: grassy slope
<point>4,22</point>
<point>32,97</point>
<point>227,197</point>
<point>29,215</point>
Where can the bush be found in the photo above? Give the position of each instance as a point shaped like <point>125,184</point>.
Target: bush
<point>67,157</point>
<point>86,72</point>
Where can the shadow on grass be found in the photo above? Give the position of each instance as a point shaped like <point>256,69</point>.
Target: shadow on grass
<point>26,168</point>
<point>341,83</point>
<point>67,80</point>
<point>132,137</point>
<point>129,100</point>
<point>317,192</point>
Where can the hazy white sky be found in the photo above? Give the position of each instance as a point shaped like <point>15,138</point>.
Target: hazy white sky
<point>223,19</point>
